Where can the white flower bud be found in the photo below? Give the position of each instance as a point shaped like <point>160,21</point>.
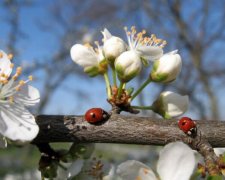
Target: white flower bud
<point>113,46</point>
<point>93,62</point>
<point>83,56</point>
<point>170,104</point>
<point>128,65</point>
<point>166,68</point>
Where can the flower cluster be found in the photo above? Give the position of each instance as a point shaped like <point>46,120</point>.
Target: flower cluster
<point>16,122</point>
<point>126,61</point>
<point>176,160</point>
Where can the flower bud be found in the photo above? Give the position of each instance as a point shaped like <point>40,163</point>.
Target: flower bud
<point>113,46</point>
<point>166,68</point>
<point>92,61</point>
<point>170,104</point>
<point>128,65</point>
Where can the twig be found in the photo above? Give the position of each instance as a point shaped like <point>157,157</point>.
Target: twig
<point>201,144</point>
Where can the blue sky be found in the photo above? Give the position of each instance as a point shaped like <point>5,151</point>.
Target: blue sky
<point>38,45</point>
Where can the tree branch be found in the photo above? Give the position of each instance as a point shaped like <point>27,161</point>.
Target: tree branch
<point>122,129</point>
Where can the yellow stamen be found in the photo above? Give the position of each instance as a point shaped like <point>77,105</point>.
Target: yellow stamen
<point>30,78</point>
<point>1,55</point>
<point>87,45</point>
<point>15,77</point>
<point>140,39</point>
<point>138,178</point>
<point>11,99</point>
<point>133,30</point>
<point>19,70</point>
<point>11,65</point>
<point>3,75</point>
<point>4,81</point>
<point>144,31</point>
<point>21,83</point>
<point>18,88</point>
<point>10,56</point>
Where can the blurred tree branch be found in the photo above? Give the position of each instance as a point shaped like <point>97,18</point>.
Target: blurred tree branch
<point>194,36</point>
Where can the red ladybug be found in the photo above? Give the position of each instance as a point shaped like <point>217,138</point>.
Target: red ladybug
<point>95,115</point>
<point>188,126</point>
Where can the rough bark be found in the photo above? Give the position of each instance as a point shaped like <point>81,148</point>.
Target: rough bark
<point>122,129</point>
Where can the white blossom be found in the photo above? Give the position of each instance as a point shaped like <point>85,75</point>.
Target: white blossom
<point>16,122</point>
<point>148,48</point>
<point>170,104</point>
<point>113,46</point>
<point>141,49</point>
<point>91,60</point>
<point>167,68</point>
<point>176,161</point>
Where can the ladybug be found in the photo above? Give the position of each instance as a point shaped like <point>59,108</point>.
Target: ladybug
<point>95,115</point>
<point>188,126</point>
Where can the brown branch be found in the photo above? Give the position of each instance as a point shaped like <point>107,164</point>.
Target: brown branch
<point>200,143</point>
<point>122,129</point>
<point>132,130</point>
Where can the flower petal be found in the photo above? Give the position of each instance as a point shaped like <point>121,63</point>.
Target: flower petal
<point>75,168</point>
<point>150,52</point>
<point>106,34</point>
<point>83,56</point>
<point>3,142</point>
<point>176,161</point>
<point>219,151</point>
<point>175,104</point>
<point>5,65</point>
<point>111,174</point>
<point>19,123</point>
<point>146,174</point>
<point>131,169</point>
<point>28,96</point>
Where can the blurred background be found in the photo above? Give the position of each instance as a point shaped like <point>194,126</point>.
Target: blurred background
<point>40,34</point>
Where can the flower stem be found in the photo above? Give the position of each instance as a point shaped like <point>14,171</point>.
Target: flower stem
<point>124,85</point>
<point>120,90</point>
<point>143,107</point>
<point>114,77</point>
<point>108,88</point>
<point>141,88</point>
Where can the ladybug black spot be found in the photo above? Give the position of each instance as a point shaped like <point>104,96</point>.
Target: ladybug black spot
<point>183,123</point>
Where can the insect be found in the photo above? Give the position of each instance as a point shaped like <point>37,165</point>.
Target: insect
<point>95,115</point>
<point>188,126</point>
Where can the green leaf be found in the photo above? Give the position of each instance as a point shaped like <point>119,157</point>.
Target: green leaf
<point>216,177</point>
